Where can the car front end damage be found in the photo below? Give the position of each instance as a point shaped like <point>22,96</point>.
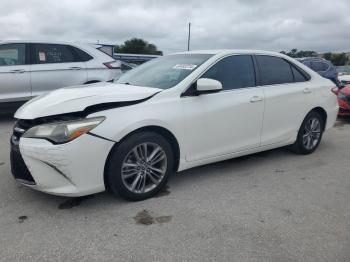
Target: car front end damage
<point>74,168</point>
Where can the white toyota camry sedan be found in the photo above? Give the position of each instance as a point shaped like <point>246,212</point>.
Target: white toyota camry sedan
<point>173,113</point>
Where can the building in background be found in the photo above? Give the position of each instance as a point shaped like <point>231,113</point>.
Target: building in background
<point>128,58</point>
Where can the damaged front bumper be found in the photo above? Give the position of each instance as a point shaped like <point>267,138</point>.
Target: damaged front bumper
<point>72,169</point>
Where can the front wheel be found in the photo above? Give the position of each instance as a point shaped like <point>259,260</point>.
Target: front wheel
<point>140,166</point>
<point>310,134</point>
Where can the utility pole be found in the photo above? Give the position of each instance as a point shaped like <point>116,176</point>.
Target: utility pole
<point>189,37</point>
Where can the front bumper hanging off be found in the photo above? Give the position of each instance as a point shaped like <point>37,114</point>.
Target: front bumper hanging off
<point>72,169</point>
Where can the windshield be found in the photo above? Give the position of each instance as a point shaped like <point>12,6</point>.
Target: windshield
<point>164,72</point>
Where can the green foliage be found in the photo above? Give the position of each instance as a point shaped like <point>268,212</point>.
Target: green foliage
<point>137,46</point>
<point>328,56</point>
<point>336,59</point>
<point>297,54</point>
<point>339,59</point>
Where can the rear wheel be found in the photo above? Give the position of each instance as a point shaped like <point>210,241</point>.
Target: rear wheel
<point>310,134</point>
<point>140,166</point>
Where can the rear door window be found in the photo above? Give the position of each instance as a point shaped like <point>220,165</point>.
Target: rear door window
<point>12,54</point>
<point>233,72</point>
<point>53,53</point>
<point>274,70</point>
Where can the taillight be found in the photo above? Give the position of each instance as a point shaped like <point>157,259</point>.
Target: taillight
<point>113,65</point>
<point>335,90</point>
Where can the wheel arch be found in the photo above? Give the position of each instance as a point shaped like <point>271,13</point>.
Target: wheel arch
<point>168,135</point>
<point>323,113</point>
<point>92,82</point>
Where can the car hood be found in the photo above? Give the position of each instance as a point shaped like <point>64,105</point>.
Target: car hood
<point>78,98</point>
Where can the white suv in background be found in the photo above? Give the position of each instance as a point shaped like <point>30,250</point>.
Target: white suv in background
<point>30,68</point>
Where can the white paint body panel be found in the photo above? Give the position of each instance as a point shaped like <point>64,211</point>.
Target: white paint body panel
<point>78,168</point>
<point>208,128</point>
<point>74,99</point>
<point>15,86</point>
<point>233,124</point>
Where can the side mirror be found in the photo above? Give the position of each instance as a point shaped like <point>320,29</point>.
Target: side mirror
<point>207,85</point>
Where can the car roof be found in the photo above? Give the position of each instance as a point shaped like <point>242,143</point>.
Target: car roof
<point>310,58</point>
<point>231,51</point>
<point>44,42</point>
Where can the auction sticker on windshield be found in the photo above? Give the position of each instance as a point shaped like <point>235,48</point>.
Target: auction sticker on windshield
<point>184,66</point>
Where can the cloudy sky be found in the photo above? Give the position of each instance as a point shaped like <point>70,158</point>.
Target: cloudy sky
<point>260,24</point>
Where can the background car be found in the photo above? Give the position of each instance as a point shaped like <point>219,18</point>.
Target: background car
<point>30,68</point>
<point>343,94</point>
<point>322,66</point>
<point>344,74</point>
<point>125,66</point>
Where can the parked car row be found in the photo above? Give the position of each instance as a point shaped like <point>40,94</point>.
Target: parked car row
<point>29,69</point>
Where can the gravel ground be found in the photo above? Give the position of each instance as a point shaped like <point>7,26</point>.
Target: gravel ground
<point>272,206</point>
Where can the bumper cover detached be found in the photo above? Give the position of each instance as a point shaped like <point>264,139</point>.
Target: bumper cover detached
<point>72,169</point>
<point>19,168</point>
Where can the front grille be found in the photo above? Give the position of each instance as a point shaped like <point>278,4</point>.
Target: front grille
<point>18,166</point>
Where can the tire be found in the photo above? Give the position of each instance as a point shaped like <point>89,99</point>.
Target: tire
<point>306,144</point>
<point>132,176</point>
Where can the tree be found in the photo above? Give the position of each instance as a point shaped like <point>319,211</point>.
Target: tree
<point>328,56</point>
<point>295,53</point>
<point>339,59</point>
<point>137,46</point>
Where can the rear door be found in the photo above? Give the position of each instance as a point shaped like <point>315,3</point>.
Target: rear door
<point>55,66</point>
<point>14,73</point>
<point>288,98</point>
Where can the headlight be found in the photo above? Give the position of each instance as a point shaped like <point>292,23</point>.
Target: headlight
<point>63,132</point>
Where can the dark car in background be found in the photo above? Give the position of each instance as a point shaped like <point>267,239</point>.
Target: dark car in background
<point>322,66</point>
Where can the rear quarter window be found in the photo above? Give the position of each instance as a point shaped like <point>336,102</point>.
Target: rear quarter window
<point>299,75</point>
<point>80,55</point>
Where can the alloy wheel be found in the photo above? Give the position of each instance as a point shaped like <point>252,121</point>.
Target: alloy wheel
<point>144,167</point>
<point>312,133</point>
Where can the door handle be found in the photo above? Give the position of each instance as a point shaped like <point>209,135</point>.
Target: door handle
<point>17,71</point>
<point>75,68</point>
<point>307,91</point>
<point>256,99</point>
